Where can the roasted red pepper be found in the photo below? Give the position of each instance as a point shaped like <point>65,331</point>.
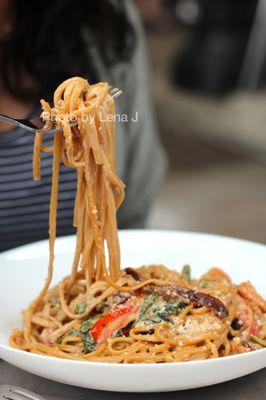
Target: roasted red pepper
<point>114,320</point>
<point>248,319</point>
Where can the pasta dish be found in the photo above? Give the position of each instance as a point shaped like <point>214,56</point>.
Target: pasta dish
<point>100,312</point>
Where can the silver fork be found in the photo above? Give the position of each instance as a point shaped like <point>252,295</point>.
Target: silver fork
<point>10,392</point>
<point>37,124</point>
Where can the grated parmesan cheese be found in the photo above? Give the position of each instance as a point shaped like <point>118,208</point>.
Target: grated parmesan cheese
<point>194,326</point>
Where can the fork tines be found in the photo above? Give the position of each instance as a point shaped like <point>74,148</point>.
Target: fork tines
<point>115,92</point>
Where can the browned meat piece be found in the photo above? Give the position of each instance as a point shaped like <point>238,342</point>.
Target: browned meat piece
<point>185,295</point>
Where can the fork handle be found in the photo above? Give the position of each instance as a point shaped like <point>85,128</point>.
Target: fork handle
<point>10,120</point>
<point>12,392</point>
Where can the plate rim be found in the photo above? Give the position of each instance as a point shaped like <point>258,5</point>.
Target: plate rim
<point>218,360</point>
<point>152,231</point>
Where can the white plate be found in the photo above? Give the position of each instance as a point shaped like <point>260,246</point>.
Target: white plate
<point>22,273</point>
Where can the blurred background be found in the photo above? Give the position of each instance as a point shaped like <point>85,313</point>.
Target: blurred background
<point>207,60</point>
<point>208,77</point>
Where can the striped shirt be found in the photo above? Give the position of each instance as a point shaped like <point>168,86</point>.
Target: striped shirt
<point>24,203</point>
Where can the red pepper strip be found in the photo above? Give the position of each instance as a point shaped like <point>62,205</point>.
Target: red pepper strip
<point>248,319</point>
<point>100,326</point>
<point>254,328</point>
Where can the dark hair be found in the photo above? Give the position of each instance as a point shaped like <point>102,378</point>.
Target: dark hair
<point>49,41</point>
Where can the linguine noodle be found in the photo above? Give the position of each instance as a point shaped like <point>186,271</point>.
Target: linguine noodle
<point>103,313</point>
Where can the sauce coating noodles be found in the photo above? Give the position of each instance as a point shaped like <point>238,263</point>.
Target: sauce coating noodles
<point>103,313</point>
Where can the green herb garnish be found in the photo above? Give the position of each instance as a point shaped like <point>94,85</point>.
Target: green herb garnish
<point>148,302</point>
<point>186,273</point>
<point>171,308</point>
<point>84,332</point>
<point>88,342</point>
<point>154,310</point>
<point>72,332</point>
<point>101,307</point>
<point>86,325</point>
<point>81,307</point>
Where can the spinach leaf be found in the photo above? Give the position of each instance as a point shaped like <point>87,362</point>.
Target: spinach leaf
<point>84,332</point>
<point>171,308</point>
<point>86,325</point>
<point>155,310</point>
<point>88,342</point>
<point>148,302</point>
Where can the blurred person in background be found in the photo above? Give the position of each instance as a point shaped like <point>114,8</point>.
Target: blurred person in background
<point>41,46</point>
